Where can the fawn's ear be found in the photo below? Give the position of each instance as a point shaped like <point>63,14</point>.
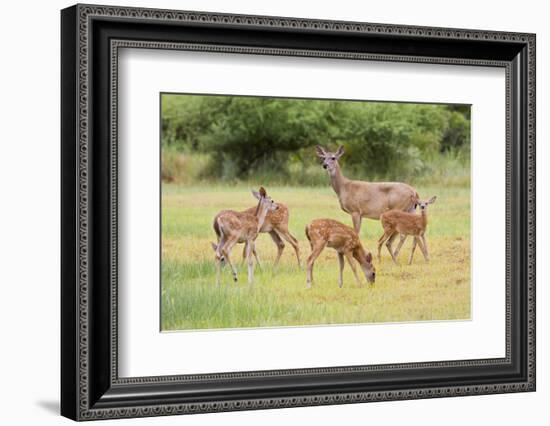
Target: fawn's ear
<point>256,194</point>
<point>263,192</point>
<point>320,151</point>
<point>369,257</point>
<point>214,246</point>
<point>340,151</point>
<point>432,200</point>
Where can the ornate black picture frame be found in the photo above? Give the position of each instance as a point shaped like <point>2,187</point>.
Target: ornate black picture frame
<point>90,386</point>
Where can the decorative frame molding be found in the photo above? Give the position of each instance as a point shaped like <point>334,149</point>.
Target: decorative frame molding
<point>91,388</point>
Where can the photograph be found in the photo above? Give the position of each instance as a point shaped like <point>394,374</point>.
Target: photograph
<point>294,212</point>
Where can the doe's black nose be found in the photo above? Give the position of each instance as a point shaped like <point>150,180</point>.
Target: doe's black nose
<point>324,166</point>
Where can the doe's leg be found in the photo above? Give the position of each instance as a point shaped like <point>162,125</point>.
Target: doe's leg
<point>356,218</point>
<point>341,277</point>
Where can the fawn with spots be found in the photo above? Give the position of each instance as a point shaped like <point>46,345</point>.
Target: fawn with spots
<point>398,222</point>
<point>232,227</point>
<point>276,225</point>
<point>323,233</point>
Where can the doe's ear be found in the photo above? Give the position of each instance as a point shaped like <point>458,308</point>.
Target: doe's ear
<point>320,151</point>
<point>432,200</point>
<point>369,257</point>
<point>340,151</point>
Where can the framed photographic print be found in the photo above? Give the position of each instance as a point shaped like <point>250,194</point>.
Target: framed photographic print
<point>263,212</point>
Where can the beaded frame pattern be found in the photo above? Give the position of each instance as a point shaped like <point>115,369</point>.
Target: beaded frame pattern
<point>86,12</point>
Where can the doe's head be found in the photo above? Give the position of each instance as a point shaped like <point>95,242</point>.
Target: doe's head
<point>424,203</point>
<point>330,159</point>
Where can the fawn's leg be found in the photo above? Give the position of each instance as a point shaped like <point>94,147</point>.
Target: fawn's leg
<point>243,260</point>
<point>285,233</point>
<point>226,250</point>
<point>341,277</point>
<point>381,241</point>
<point>279,243</point>
<point>402,238</point>
<point>351,262</point>
<point>415,240</point>
<point>389,242</point>
<point>424,248</point>
<point>219,261</point>
<point>256,254</point>
<point>218,271</point>
<point>315,252</point>
<point>253,252</point>
<point>249,261</point>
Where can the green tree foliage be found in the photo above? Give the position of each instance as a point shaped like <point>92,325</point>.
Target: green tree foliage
<point>458,129</point>
<point>244,135</point>
<point>254,132</point>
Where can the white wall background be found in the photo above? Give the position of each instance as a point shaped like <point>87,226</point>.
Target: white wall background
<point>29,211</point>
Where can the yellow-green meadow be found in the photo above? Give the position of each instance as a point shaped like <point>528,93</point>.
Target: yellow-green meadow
<point>424,291</point>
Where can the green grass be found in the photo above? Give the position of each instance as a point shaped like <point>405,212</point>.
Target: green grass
<point>190,298</point>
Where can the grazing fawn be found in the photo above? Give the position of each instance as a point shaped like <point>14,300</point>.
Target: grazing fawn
<point>233,227</point>
<point>323,233</point>
<point>276,225</point>
<point>398,222</point>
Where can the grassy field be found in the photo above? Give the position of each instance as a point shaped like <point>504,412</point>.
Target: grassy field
<point>190,298</point>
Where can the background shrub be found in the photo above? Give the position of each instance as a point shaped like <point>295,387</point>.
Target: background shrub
<point>237,138</point>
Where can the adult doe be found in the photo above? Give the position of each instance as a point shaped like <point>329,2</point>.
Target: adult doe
<point>323,233</point>
<point>365,199</point>
<point>232,227</point>
<point>398,222</point>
